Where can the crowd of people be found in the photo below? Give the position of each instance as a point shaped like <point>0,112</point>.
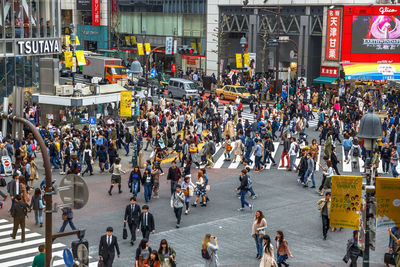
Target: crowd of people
<point>189,132</point>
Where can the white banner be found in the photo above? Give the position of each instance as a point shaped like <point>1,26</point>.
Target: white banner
<point>168,45</point>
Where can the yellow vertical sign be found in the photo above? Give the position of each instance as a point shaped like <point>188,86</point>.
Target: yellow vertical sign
<point>387,202</point>
<point>80,57</point>
<point>193,45</point>
<point>199,49</point>
<point>128,40</point>
<point>126,104</point>
<point>68,59</point>
<point>346,201</point>
<point>133,40</point>
<point>239,64</point>
<point>148,48</point>
<point>140,49</point>
<point>246,58</point>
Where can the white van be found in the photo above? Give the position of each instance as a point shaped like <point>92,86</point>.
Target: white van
<point>181,88</point>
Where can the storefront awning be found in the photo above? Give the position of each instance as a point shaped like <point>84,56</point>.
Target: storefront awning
<point>325,80</point>
<point>371,72</point>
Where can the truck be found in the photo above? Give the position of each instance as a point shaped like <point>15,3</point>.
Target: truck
<point>107,68</point>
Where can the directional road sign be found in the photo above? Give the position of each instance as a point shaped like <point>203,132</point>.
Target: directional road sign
<point>92,120</point>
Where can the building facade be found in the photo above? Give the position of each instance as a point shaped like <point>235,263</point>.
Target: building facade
<point>29,30</point>
<point>301,25</point>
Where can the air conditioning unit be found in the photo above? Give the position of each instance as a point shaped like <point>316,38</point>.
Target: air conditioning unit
<point>64,90</point>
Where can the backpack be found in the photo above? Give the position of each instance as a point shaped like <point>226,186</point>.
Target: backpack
<point>204,254</point>
<point>75,146</point>
<point>213,150</point>
<point>249,182</point>
<point>356,152</point>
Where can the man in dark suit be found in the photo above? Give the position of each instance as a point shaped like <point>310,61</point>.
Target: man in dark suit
<point>107,247</point>
<point>14,188</point>
<point>19,213</point>
<point>146,222</point>
<point>334,160</point>
<point>132,215</point>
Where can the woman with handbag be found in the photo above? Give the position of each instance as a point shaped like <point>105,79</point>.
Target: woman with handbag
<point>258,231</point>
<point>142,253</point>
<point>268,258</point>
<point>188,190</point>
<point>117,170</point>
<point>228,148</point>
<point>166,255</point>
<point>37,206</point>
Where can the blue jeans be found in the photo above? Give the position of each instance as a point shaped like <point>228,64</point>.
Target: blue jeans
<point>398,148</point>
<point>259,244</point>
<point>135,188</point>
<point>281,258</point>
<point>53,161</point>
<point>147,191</point>
<point>38,216</point>
<point>394,171</point>
<point>293,161</point>
<point>242,199</point>
<point>65,225</point>
<point>126,146</point>
<point>247,156</point>
<point>312,177</point>
<point>252,193</point>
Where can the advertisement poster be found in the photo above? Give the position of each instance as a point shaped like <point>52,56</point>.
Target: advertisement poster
<point>126,104</point>
<point>168,45</point>
<point>387,202</point>
<point>376,34</point>
<point>80,57</point>
<point>68,59</point>
<point>239,61</point>
<point>333,34</point>
<point>346,201</point>
<point>140,49</point>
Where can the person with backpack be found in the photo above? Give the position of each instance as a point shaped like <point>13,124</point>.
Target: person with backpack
<point>177,202</point>
<point>293,151</point>
<point>210,151</point>
<point>243,189</point>
<point>347,144</point>
<point>355,153</point>
<point>209,251</point>
<point>87,157</point>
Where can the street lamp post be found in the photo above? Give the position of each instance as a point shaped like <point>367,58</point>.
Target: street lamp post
<point>370,130</point>
<point>243,42</point>
<point>73,44</point>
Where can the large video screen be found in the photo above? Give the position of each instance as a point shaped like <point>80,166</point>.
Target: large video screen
<point>375,35</point>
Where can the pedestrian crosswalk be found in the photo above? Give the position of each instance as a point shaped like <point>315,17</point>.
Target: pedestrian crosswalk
<point>15,253</point>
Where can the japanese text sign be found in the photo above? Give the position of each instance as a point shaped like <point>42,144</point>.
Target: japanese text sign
<point>95,12</point>
<point>126,104</point>
<point>346,201</point>
<point>239,61</point>
<point>387,202</point>
<point>329,71</point>
<point>333,34</point>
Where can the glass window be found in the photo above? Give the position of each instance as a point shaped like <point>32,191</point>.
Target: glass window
<point>19,64</point>
<point>9,18</point>
<point>2,78</point>
<point>191,86</point>
<point>10,73</point>
<point>227,88</point>
<point>19,19</point>
<point>34,18</point>
<point>28,71</point>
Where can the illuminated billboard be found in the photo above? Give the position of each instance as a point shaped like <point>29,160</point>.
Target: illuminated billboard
<point>371,34</point>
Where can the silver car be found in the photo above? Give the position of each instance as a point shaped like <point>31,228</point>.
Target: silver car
<point>181,88</point>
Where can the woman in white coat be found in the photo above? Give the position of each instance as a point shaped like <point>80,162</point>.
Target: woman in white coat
<point>268,258</point>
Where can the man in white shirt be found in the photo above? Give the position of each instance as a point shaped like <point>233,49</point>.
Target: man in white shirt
<point>294,149</point>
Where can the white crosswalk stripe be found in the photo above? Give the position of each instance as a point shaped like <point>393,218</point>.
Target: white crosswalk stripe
<point>15,253</point>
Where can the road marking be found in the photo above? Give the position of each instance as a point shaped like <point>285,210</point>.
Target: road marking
<point>9,239</point>
<point>273,153</point>
<point>26,251</point>
<point>25,244</point>
<point>7,233</point>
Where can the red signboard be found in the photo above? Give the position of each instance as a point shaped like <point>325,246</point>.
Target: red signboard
<point>6,163</point>
<point>96,12</point>
<point>173,68</point>
<point>329,71</point>
<point>333,34</point>
<point>371,34</point>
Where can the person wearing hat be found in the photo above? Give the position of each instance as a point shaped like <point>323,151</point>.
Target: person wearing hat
<point>108,245</point>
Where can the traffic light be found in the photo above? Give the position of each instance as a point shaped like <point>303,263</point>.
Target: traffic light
<point>186,51</point>
<point>80,250</point>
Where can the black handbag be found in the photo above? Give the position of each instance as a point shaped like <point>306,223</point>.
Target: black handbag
<point>125,232</point>
<point>3,182</point>
<point>389,258</point>
<point>101,263</point>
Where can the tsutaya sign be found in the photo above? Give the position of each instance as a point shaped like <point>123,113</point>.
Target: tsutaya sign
<point>36,47</point>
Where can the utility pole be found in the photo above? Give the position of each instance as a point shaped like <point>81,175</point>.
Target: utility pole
<point>278,31</point>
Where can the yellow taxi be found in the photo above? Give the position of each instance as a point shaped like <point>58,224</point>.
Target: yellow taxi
<point>230,92</point>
